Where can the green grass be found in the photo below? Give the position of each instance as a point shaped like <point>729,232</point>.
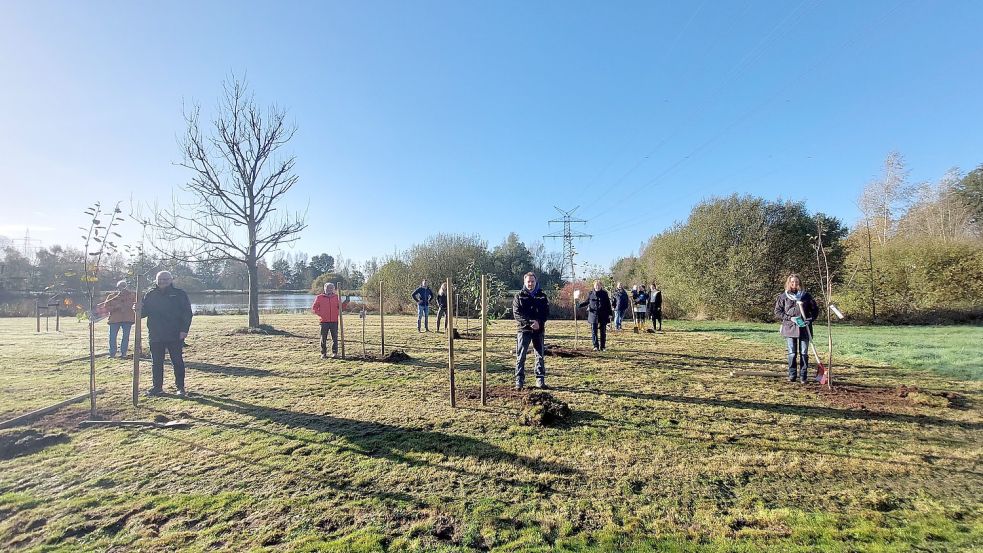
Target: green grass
<point>951,351</point>
<point>667,451</point>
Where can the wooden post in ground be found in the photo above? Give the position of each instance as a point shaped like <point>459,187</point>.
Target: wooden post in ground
<point>450,343</point>
<point>137,344</point>
<point>92,368</point>
<point>363,330</point>
<point>58,318</point>
<point>341,322</point>
<point>484,332</point>
<point>382,321</point>
<point>37,314</point>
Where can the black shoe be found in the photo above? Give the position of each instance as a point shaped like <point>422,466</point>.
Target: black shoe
<point>154,392</point>
<point>541,384</point>
<point>792,379</point>
<point>803,381</point>
<point>597,349</point>
<point>324,356</point>
<point>181,393</point>
<point>518,387</point>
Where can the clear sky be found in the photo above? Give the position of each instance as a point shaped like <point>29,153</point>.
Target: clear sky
<point>478,117</point>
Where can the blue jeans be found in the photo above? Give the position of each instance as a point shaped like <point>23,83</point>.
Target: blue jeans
<point>798,347</point>
<point>523,339</point>
<point>618,317</point>
<point>423,312</point>
<point>113,331</point>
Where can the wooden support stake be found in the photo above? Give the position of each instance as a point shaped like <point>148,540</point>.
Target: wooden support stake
<point>92,369</point>
<point>382,321</point>
<point>341,322</point>
<point>484,333</point>
<point>37,314</point>
<point>576,327</point>
<point>137,344</point>
<point>450,343</point>
<point>364,354</point>
<point>57,319</point>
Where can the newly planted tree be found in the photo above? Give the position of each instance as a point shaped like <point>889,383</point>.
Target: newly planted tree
<point>100,242</point>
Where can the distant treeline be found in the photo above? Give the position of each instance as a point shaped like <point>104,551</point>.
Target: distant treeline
<point>915,256</point>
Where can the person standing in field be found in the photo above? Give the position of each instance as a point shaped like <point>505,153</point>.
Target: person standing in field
<point>442,305</point>
<point>327,307</point>
<point>655,306</point>
<point>796,309</point>
<point>641,304</point>
<point>168,313</point>
<point>531,309</point>
<point>422,296</point>
<point>620,303</point>
<point>121,316</point>
<point>598,306</point>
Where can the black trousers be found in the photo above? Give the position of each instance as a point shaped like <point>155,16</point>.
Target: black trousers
<point>656,316</point>
<point>325,329</point>
<point>174,349</point>
<point>441,312</point>
<point>598,327</point>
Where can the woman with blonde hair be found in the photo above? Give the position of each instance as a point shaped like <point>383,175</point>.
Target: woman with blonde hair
<point>796,310</point>
<point>442,305</point>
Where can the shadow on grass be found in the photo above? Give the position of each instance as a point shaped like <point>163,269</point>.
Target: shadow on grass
<point>229,370</point>
<point>387,441</point>
<point>783,409</point>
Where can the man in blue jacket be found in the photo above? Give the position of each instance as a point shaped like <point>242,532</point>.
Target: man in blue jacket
<point>531,309</point>
<point>423,295</point>
<point>168,313</point>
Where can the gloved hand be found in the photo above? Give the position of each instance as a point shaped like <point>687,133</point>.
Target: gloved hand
<point>799,321</point>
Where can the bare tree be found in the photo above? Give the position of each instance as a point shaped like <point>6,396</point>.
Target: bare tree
<point>236,185</point>
<point>884,200</point>
<point>938,212</point>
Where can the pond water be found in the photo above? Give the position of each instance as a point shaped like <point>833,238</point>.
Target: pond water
<point>234,303</point>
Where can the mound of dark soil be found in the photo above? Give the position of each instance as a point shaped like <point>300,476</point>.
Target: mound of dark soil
<point>396,356</point>
<point>542,409</point>
<point>265,330</point>
<point>467,335</point>
<point>15,442</point>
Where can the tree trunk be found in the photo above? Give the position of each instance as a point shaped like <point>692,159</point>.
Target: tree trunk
<point>253,293</point>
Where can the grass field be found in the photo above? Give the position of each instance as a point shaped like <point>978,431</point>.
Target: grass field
<point>666,451</point>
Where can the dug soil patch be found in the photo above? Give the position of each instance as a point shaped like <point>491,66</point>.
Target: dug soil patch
<point>263,330</point>
<point>18,441</point>
<point>394,356</point>
<point>872,398</point>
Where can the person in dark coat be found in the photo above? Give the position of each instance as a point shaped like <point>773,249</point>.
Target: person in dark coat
<point>598,306</point>
<point>641,303</point>
<point>168,313</point>
<point>422,296</point>
<point>442,305</point>
<point>531,309</point>
<point>790,307</point>
<point>655,306</point>
<point>620,303</point>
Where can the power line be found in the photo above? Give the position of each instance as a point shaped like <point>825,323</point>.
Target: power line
<point>568,235</point>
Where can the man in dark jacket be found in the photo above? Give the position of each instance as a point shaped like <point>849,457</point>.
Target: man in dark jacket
<point>168,313</point>
<point>422,296</point>
<point>655,306</point>
<point>620,303</point>
<point>531,309</point>
<point>598,306</point>
<point>790,307</point>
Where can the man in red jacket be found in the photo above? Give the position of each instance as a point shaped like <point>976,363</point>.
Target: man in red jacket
<point>327,306</point>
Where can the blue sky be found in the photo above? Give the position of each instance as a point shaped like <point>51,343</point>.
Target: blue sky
<point>467,117</point>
